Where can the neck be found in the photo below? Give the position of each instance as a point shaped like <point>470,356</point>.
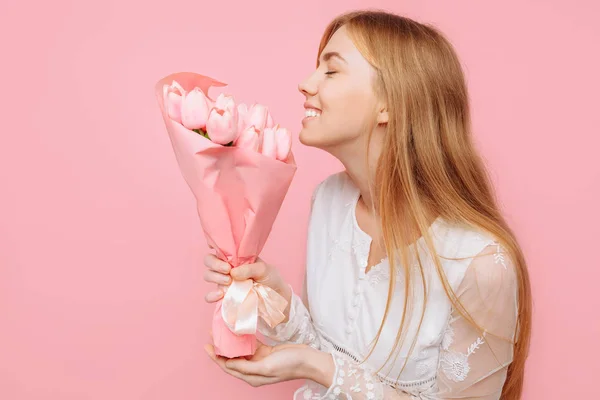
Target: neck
<point>353,158</point>
<point>358,173</point>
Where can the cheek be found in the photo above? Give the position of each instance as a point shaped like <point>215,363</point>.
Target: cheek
<point>348,113</point>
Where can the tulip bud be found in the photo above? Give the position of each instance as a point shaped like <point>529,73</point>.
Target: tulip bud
<point>195,109</point>
<point>248,139</point>
<point>221,126</point>
<point>283,140</point>
<point>174,106</point>
<point>269,147</point>
<point>242,116</point>
<point>270,122</point>
<point>173,96</point>
<point>257,116</point>
<point>225,102</point>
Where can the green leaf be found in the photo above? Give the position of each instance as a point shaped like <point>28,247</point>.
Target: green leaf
<point>201,132</point>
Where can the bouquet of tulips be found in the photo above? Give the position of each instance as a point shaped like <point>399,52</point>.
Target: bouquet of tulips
<point>239,165</point>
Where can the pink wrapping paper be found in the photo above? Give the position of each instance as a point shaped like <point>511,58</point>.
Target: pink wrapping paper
<point>238,194</point>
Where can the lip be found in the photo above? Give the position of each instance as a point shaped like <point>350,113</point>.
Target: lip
<point>305,120</point>
<point>307,106</point>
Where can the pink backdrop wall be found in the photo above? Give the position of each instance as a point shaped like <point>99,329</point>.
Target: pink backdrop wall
<point>101,290</point>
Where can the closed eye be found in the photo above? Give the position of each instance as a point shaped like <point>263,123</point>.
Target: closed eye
<point>330,72</point>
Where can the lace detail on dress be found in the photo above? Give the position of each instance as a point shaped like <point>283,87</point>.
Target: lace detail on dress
<point>350,380</point>
<point>456,364</point>
<point>307,334</point>
<point>448,338</point>
<point>499,256</point>
<point>354,378</point>
<point>327,342</point>
<point>381,272</point>
<point>425,363</point>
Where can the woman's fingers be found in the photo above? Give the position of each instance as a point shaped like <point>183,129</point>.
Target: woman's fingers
<point>213,297</point>
<point>222,288</point>
<point>252,380</point>
<point>249,271</point>
<point>215,264</point>
<point>217,277</point>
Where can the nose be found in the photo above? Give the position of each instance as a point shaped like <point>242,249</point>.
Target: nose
<point>307,87</point>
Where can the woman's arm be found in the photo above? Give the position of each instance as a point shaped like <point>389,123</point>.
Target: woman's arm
<point>298,328</point>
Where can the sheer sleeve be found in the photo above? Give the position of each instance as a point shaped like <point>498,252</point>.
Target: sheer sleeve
<point>299,327</point>
<point>474,365</point>
<point>471,365</point>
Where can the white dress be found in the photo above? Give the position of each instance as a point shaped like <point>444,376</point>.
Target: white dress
<point>342,308</point>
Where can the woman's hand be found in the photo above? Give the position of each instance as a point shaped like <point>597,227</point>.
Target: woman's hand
<point>218,273</point>
<point>221,273</point>
<point>273,364</point>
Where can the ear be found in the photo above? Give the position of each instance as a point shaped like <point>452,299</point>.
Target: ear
<point>383,116</point>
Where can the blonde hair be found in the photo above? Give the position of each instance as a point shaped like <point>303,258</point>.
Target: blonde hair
<point>430,162</point>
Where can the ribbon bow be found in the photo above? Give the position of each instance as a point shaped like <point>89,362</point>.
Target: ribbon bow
<point>245,301</point>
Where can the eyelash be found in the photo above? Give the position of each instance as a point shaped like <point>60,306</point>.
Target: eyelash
<point>330,72</point>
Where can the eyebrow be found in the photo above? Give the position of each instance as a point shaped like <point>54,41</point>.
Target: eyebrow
<point>327,56</point>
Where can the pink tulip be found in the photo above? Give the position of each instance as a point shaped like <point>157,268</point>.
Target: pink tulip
<point>174,106</point>
<point>172,96</point>
<point>242,115</point>
<point>269,146</point>
<point>248,139</point>
<point>270,122</point>
<point>226,103</point>
<point>221,126</point>
<point>195,109</point>
<point>283,140</point>
<point>257,116</point>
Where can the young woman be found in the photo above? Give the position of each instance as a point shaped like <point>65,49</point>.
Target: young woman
<point>415,286</point>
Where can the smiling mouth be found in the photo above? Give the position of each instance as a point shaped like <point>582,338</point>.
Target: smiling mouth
<point>311,113</point>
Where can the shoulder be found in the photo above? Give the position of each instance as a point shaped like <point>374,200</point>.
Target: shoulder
<point>462,240</point>
<point>487,263</point>
<point>459,245</point>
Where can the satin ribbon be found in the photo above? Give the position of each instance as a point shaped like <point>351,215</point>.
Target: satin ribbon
<point>245,301</point>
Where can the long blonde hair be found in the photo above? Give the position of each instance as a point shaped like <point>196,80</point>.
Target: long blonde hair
<point>430,162</point>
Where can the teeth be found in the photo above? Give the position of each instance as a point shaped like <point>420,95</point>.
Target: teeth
<point>311,113</point>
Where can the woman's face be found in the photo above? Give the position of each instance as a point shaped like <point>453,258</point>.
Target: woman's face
<point>340,98</point>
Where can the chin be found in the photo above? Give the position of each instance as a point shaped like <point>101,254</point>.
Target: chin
<point>320,140</point>
<point>307,139</point>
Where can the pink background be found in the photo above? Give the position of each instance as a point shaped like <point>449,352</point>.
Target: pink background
<point>101,290</point>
